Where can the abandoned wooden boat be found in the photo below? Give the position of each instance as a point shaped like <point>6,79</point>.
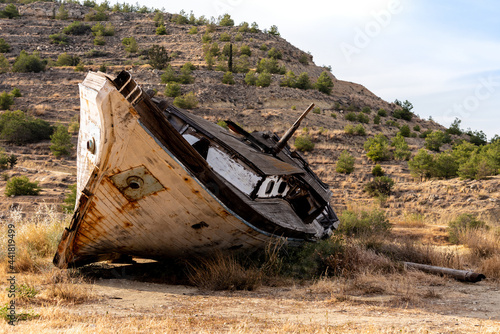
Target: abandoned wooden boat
<point>158,182</point>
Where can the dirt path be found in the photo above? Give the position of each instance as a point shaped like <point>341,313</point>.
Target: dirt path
<point>138,307</point>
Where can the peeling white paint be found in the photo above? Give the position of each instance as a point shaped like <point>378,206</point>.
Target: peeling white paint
<point>274,191</point>
<point>191,139</point>
<point>233,172</point>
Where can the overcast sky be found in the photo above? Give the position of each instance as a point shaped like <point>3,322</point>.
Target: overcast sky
<point>443,56</point>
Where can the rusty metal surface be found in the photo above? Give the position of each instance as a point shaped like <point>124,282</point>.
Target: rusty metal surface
<point>136,183</point>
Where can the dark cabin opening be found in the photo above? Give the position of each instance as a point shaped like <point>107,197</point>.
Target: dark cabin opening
<point>269,187</point>
<point>201,146</point>
<point>301,206</point>
<point>282,187</point>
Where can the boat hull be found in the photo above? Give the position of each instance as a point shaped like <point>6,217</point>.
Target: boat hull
<point>144,191</point>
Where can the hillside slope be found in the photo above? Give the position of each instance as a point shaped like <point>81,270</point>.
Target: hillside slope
<point>53,95</point>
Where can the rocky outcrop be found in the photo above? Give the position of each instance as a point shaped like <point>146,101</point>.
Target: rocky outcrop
<point>49,10</point>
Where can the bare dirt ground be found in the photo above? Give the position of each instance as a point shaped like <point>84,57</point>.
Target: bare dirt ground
<point>409,303</point>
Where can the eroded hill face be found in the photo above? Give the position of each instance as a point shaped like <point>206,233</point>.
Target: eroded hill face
<point>53,96</point>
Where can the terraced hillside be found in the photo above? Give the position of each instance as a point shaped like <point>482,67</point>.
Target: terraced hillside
<point>53,96</point>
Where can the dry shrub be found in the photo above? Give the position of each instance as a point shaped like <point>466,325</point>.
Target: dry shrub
<point>426,278</point>
<point>68,292</point>
<point>413,220</point>
<point>223,272</point>
<point>407,250</point>
<point>432,294</point>
<point>368,284</point>
<point>40,109</point>
<point>26,293</point>
<point>273,263</point>
<point>360,223</point>
<point>404,250</point>
<point>462,224</point>
<point>399,286</point>
<point>356,259</point>
<point>36,238</point>
<point>491,267</point>
<point>336,256</point>
<point>55,286</point>
<point>481,242</point>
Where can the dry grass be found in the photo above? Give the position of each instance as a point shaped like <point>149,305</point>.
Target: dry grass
<point>412,220</point>
<point>36,238</point>
<point>491,267</point>
<point>393,289</point>
<point>223,272</point>
<point>57,319</point>
<point>367,272</point>
<point>481,242</point>
<point>41,109</point>
<point>356,259</point>
<point>66,287</point>
<point>51,287</point>
<point>38,282</point>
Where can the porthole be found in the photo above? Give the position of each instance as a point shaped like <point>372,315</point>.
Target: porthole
<point>91,145</point>
<point>269,187</point>
<point>282,187</point>
<point>135,182</point>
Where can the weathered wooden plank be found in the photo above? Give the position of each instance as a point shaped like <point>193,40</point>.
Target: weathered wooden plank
<point>148,192</point>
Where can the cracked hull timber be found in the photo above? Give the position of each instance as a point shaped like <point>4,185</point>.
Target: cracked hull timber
<point>143,190</point>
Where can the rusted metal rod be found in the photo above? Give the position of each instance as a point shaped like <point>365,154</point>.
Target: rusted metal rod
<point>460,275</point>
<point>282,142</point>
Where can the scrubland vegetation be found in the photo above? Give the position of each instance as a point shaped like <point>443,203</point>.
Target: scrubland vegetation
<point>364,257</point>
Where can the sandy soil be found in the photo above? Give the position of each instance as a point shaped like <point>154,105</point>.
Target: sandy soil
<point>126,305</point>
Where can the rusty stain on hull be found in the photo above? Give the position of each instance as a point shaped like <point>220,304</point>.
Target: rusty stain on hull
<point>159,183</point>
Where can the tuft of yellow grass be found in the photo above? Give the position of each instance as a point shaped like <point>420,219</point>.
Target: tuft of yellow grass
<point>490,267</point>
<point>36,238</point>
<point>223,272</point>
<point>67,287</point>
<point>412,220</point>
<point>481,242</point>
<point>41,109</point>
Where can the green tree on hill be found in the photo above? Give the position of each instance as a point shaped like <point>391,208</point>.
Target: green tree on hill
<point>345,163</point>
<point>401,150</point>
<point>263,80</point>
<point>62,13</point>
<point>377,148</point>
<point>226,20</point>
<point>4,46</point>
<point>324,83</point>
<point>61,141</point>
<point>434,140</point>
<point>422,164</point>
<point>289,80</point>
<point>158,57</point>
<point>28,63</point>
<point>21,186</point>
<point>303,81</point>
<point>10,12</point>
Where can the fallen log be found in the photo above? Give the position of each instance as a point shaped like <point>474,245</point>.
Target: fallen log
<point>460,275</point>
